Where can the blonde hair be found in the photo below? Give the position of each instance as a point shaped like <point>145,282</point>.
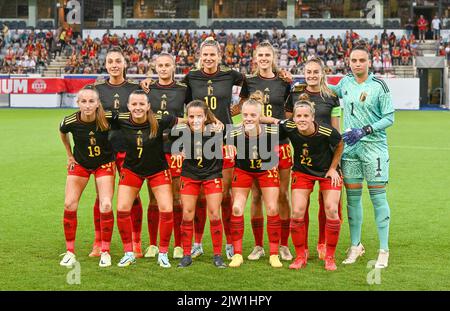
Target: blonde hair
<point>210,41</point>
<point>305,103</point>
<point>325,91</point>
<point>256,99</point>
<point>100,118</point>
<point>267,44</point>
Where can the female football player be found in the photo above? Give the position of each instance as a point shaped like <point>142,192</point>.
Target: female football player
<point>317,151</point>
<point>276,91</point>
<point>255,154</point>
<point>92,154</point>
<point>202,168</point>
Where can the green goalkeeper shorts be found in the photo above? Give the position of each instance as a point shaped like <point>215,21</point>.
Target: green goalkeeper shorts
<point>366,160</point>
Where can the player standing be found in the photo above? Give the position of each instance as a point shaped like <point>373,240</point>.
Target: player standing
<point>368,111</point>
<point>276,91</point>
<point>255,162</point>
<point>327,111</point>
<point>144,160</point>
<point>317,152</point>
<point>167,97</point>
<point>114,93</point>
<point>202,168</point>
<point>213,84</point>
<point>92,154</point>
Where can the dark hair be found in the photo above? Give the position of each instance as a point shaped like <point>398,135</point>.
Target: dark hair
<point>151,118</point>
<point>360,45</point>
<point>210,118</point>
<point>100,118</point>
<point>118,49</point>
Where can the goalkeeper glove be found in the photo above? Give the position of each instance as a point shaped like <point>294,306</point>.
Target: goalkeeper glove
<point>352,136</point>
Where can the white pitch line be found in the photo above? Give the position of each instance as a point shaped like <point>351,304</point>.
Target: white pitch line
<point>422,148</point>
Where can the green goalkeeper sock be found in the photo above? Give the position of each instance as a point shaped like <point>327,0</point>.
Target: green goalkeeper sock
<point>355,214</point>
<point>382,214</point>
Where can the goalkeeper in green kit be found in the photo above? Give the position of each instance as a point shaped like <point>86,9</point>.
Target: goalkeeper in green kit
<point>368,111</point>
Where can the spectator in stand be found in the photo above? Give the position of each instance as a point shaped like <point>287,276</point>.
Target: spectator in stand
<point>436,25</point>
<point>387,64</point>
<point>409,27</point>
<point>377,65</point>
<point>396,55</point>
<point>422,25</point>
<point>405,54</point>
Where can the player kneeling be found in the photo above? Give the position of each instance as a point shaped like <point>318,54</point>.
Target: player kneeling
<point>92,154</point>
<point>317,152</point>
<point>201,168</point>
<point>255,162</point>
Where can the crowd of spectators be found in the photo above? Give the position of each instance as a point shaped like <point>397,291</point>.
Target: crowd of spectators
<point>88,55</point>
<point>27,51</point>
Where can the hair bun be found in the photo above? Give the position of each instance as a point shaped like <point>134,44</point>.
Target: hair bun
<point>258,96</point>
<point>303,96</point>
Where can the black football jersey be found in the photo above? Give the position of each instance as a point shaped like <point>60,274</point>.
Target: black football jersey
<point>114,98</point>
<point>145,155</point>
<point>312,154</point>
<point>276,92</point>
<point>255,154</point>
<point>91,147</point>
<point>323,106</point>
<point>168,99</point>
<point>202,151</point>
<point>215,90</point>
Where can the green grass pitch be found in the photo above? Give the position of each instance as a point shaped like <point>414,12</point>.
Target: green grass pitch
<point>33,174</point>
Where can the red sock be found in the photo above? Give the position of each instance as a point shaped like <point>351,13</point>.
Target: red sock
<point>125,230</point>
<point>165,230</point>
<point>285,230</point>
<point>227,207</point>
<point>177,218</point>
<point>274,233</point>
<point>136,219</point>
<point>107,225</point>
<point>98,234</point>
<point>332,229</point>
<point>187,231</point>
<point>322,220</point>
<point>237,232</point>
<point>258,230</point>
<point>70,229</point>
<point>153,222</point>
<point>298,235</point>
<point>215,227</point>
<point>200,220</point>
<point>306,220</point>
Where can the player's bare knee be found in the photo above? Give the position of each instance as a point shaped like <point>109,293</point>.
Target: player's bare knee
<point>71,206</point>
<point>105,205</point>
<point>237,210</point>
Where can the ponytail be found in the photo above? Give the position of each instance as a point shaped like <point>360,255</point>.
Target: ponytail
<point>153,123</point>
<point>256,99</point>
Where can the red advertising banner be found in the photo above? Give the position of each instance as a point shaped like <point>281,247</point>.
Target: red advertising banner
<point>42,85</point>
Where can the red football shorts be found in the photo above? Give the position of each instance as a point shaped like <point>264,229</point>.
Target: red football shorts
<point>229,153</point>
<point>192,186</point>
<point>175,162</point>
<point>284,156</point>
<point>300,180</point>
<point>107,169</point>
<point>129,178</point>
<point>244,179</point>
<point>120,158</point>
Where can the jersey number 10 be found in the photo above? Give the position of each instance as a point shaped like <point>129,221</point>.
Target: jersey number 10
<point>211,102</point>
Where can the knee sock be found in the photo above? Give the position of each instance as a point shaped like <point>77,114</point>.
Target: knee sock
<point>136,219</point>
<point>237,232</point>
<point>332,229</point>
<point>258,230</point>
<point>322,220</point>
<point>199,220</point>
<point>153,223</point>
<point>355,214</point>
<point>125,229</point>
<point>382,215</point>
<point>106,225</point>
<point>227,206</point>
<point>165,230</point>
<point>215,227</point>
<point>177,218</point>
<point>70,229</point>
<point>285,230</point>
<point>298,236</point>
<point>187,231</point>
<point>274,233</point>
<point>98,235</point>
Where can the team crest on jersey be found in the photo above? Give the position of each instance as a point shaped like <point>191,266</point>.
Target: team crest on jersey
<point>164,102</point>
<point>92,140</point>
<point>210,88</point>
<point>363,97</point>
<point>305,151</point>
<point>139,141</point>
<point>116,101</point>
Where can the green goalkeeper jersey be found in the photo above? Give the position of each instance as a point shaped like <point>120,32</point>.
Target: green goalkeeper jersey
<point>368,103</point>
